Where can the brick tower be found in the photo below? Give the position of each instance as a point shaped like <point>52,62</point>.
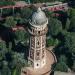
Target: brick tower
<point>38,30</point>
<point>40,60</point>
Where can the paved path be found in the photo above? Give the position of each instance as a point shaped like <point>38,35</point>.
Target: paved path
<point>63,73</point>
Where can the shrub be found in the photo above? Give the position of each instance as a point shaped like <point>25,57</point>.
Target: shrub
<point>61,66</point>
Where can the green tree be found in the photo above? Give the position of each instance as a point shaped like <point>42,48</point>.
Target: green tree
<point>55,27</point>
<point>6,11</point>
<point>49,14</point>
<point>18,69</point>
<point>73,67</point>
<point>25,13</point>
<point>21,21</point>
<point>52,42</point>
<point>72,24</point>
<point>19,58</point>
<point>5,3</point>
<point>3,49</point>
<point>3,45</point>
<point>63,59</point>
<point>71,12</point>
<point>10,22</point>
<point>61,66</point>
<point>1,55</point>
<point>14,72</point>
<point>5,69</point>
<point>61,0</point>
<point>41,1</point>
<point>67,24</point>
<point>69,42</point>
<point>20,35</point>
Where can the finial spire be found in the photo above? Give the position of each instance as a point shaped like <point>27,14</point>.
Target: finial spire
<point>39,9</point>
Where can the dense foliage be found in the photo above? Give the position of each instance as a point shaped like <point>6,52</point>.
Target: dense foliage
<point>5,3</point>
<point>10,22</point>
<point>61,66</point>
<point>55,27</point>
<point>14,42</point>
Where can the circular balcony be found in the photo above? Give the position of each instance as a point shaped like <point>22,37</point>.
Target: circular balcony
<point>38,32</point>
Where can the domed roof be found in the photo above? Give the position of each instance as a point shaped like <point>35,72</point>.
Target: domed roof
<point>38,17</point>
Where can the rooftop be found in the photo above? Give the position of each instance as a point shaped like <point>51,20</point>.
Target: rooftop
<point>38,17</point>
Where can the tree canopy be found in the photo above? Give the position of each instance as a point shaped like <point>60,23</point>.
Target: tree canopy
<point>72,24</point>
<point>55,27</point>
<point>10,22</point>
<point>69,42</point>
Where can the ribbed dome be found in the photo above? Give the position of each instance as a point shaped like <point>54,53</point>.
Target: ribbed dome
<point>38,17</point>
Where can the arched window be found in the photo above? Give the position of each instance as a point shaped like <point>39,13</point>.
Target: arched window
<point>37,64</point>
<point>38,42</point>
<point>39,32</point>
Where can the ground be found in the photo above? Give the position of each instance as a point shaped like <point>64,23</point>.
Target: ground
<point>50,59</point>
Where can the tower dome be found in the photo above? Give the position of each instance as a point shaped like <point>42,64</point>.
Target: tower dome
<point>38,17</point>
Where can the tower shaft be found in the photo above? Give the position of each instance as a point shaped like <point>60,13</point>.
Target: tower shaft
<point>37,54</point>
